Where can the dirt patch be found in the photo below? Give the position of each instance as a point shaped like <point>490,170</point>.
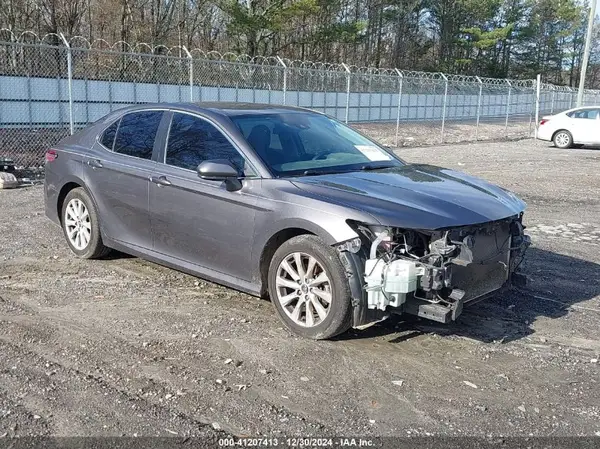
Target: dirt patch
<point>126,347</point>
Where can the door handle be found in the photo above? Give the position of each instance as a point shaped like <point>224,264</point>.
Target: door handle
<point>95,163</point>
<point>161,181</point>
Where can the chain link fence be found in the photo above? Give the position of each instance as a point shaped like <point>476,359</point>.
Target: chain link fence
<point>34,100</point>
<point>51,87</point>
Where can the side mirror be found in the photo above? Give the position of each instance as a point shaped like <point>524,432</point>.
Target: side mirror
<point>217,170</point>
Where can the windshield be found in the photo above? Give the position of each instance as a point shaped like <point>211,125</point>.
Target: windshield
<point>298,143</point>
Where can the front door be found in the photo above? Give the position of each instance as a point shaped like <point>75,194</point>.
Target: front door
<point>586,126</point>
<point>117,171</point>
<point>200,221</point>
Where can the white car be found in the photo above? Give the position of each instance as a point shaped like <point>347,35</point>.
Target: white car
<point>579,126</point>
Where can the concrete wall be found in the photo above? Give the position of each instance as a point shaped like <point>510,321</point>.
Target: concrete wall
<point>44,101</point>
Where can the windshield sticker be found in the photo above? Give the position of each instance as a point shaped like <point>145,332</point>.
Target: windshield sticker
<point>373,153</point>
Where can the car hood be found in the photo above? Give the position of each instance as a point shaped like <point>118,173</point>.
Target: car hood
<point>416,196</point>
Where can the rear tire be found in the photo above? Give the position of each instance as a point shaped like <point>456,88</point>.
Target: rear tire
<point>563,139</point>
<point>309,288</point>
<point>81,226</point>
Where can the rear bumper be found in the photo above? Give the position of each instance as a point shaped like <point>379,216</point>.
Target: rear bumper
<point>51,203</point>
<point>545,133</point>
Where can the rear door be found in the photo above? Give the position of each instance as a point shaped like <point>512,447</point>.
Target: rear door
<point>117,171</point>
<point>196,220</point>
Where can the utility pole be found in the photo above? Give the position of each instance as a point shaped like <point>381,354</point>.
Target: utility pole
<point>586,52</point>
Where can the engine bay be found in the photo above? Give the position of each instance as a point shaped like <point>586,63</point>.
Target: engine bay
<point>432,274</point>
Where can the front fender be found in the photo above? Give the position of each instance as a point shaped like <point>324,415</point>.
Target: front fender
<point>266,231</point>
<point>282,206</point>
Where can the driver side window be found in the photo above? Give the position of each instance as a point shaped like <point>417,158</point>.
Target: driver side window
<point>193,140</point>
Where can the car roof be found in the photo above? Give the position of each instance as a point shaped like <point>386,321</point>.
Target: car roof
<point>245,108</point>
<point>228,109</point>
<point>581,108</point>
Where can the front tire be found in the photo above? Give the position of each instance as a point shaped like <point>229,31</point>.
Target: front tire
<point>81,227</point>
<point>309,289</point>
<point>563,139</point>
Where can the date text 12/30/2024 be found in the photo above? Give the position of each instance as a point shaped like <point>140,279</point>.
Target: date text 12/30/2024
<point>296,442</point>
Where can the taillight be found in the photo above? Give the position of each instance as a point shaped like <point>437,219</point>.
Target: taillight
<point>544,120</point>
<point>51,155</point>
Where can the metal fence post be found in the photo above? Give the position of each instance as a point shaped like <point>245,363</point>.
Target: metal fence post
<point>538,88</point>
<point>478,107</point>
<point>191,71</point>
<point>69,82</point>
<point>532,106</point>
<point>399,103</point>
<point>104,76</point>
<point>347,69</point>
<point>444,105</point>
<point>507,106</point>
<point>284,77</point>
<point>370,91</point>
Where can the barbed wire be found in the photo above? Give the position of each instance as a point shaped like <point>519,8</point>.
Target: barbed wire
<point>305,67</point>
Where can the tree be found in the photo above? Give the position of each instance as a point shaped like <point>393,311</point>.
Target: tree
<point>255,25</point>
<point>494,38</point>
<point>542,42</point>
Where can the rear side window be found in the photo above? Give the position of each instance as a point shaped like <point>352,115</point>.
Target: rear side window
<point>591,114</point>
<point>136,133</point>
<point>108,138</point>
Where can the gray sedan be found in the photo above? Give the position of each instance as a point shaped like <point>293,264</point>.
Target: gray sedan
<point>289,204</point>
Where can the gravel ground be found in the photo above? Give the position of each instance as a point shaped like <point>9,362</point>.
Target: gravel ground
<point>125,347</point>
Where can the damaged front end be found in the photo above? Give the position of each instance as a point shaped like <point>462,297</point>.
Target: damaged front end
<point>431,274</point>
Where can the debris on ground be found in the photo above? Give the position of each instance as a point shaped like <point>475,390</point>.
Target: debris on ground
<point>8,180</point>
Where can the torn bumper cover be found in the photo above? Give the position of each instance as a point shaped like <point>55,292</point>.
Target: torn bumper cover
<point>431,274</point>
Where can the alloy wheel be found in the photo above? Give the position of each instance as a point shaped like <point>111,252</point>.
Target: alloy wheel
<point>562,139</point>
<point>77,224</point>
<point>303,289</point>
